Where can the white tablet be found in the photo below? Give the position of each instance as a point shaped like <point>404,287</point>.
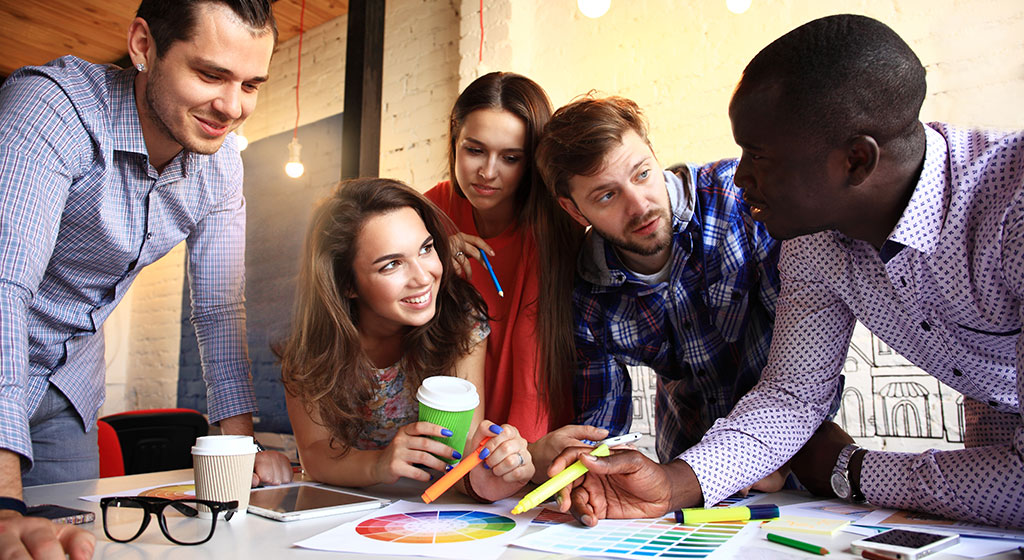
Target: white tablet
<point>304,501</point>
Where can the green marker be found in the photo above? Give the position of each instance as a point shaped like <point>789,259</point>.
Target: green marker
<point>556,483</point>
<point>813,548</point>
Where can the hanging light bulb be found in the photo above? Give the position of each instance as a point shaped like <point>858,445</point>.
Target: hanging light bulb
<point>240,140</point>
<point>294,167</point>
<point>737,6</point>
<point>594,8</point>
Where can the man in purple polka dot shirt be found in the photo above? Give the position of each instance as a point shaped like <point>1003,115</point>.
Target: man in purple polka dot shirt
<point>916,230</point>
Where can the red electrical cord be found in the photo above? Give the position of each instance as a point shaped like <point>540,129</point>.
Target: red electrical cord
<point>298,73</point>
<point>481,59</point>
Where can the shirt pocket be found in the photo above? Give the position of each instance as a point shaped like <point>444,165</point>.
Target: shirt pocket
<point>728,299</point>
<point>983,353</point>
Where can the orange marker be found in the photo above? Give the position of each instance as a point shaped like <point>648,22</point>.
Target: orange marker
<point>451,477</point>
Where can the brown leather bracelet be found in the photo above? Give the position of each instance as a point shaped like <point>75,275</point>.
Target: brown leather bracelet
<point>472,493</point>
<point>17,505</point>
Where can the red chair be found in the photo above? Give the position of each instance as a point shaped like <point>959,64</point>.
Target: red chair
<point>157,439</point>
<point>111,460</point>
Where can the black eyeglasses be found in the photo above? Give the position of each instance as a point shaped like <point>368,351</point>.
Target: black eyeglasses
<point>186,521</point>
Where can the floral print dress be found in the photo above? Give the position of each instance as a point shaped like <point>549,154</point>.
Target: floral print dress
<point>394,404</point>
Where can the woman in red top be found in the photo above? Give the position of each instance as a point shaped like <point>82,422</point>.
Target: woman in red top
<point>500,205</point>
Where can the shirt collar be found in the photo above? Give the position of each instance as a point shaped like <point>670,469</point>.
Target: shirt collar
<point>920,226</point>
<point>682,195</point>
<point>127,130</point>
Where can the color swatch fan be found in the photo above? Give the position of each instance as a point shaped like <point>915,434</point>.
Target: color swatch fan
<point>437,530</point>
<point>642,538</point>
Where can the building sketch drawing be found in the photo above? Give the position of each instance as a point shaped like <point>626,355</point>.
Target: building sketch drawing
<point>887,403</point>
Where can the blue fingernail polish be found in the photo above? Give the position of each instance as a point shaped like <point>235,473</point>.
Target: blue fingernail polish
<point>496,428</point>
<point>456,454</point>
<point>486,466</point>
<point>448,468</point>
<point>484,453</point>
<point>446,432</point>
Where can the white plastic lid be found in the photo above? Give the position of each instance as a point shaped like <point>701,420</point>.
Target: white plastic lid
<point>451,394</point>
<point>224,445</point>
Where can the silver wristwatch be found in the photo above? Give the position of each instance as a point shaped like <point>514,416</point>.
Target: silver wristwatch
<point>841,476</point>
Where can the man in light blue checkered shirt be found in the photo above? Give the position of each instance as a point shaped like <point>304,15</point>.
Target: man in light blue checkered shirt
<point>102,172</point>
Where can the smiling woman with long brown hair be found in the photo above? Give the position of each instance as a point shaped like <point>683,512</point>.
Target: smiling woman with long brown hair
<point>378,309</point>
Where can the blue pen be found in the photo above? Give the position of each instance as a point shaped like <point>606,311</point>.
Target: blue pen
<point>487,263</point>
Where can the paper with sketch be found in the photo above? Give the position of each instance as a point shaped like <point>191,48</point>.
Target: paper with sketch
<point>918,520</point>
<point>828,509</point>
<point>174,490</point>
<point>460,531</point>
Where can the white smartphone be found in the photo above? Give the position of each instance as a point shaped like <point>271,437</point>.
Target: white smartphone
<point>304,501</point>
<point>905,544</point>
<point>619,440</point>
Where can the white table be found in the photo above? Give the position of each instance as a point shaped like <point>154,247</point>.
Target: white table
<point>257,538</point>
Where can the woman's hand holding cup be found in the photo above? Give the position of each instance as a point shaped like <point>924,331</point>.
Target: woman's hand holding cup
<point>411,449</point>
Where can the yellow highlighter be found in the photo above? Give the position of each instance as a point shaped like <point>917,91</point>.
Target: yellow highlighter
<point>556,483</point>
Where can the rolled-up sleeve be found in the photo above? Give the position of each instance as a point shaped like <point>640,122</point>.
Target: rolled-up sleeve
<point>216,268</point>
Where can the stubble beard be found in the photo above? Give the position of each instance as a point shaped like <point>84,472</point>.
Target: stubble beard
<point>156,110</point>
<point>636,248</point>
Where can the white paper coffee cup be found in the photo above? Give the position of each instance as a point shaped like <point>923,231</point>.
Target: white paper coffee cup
<point>223,469</point>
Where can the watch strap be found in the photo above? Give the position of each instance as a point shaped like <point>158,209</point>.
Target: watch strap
<point>855,492</point>
<point>842,469</point>
<point>843,463</point>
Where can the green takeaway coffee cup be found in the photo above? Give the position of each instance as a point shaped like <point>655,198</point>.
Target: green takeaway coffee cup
<point>448,402</point>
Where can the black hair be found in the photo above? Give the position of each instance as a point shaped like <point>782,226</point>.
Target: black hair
<point>842,75</point>
<point>171,21</point>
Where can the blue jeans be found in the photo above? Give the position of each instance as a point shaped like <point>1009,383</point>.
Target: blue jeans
<point>62,450</point>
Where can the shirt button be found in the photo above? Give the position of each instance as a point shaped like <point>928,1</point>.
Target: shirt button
<point>926,326</point>
<point>957,372</point>
<point>149,236</point>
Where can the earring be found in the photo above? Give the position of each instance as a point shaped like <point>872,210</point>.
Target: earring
<point>140,67</point>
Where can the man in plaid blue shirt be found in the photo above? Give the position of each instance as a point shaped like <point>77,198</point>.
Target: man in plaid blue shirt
<point>103,171</point>
<point>674,274</point>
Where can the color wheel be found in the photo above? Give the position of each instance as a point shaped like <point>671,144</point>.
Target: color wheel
<point>172,492</point>
<point>435,526</point>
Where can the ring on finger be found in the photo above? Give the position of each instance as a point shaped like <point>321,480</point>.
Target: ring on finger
<point>521,460</point>
<point>459,255</point>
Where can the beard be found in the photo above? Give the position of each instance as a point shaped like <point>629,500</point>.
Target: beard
<point>159,111</point>
<point>657,242</point>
